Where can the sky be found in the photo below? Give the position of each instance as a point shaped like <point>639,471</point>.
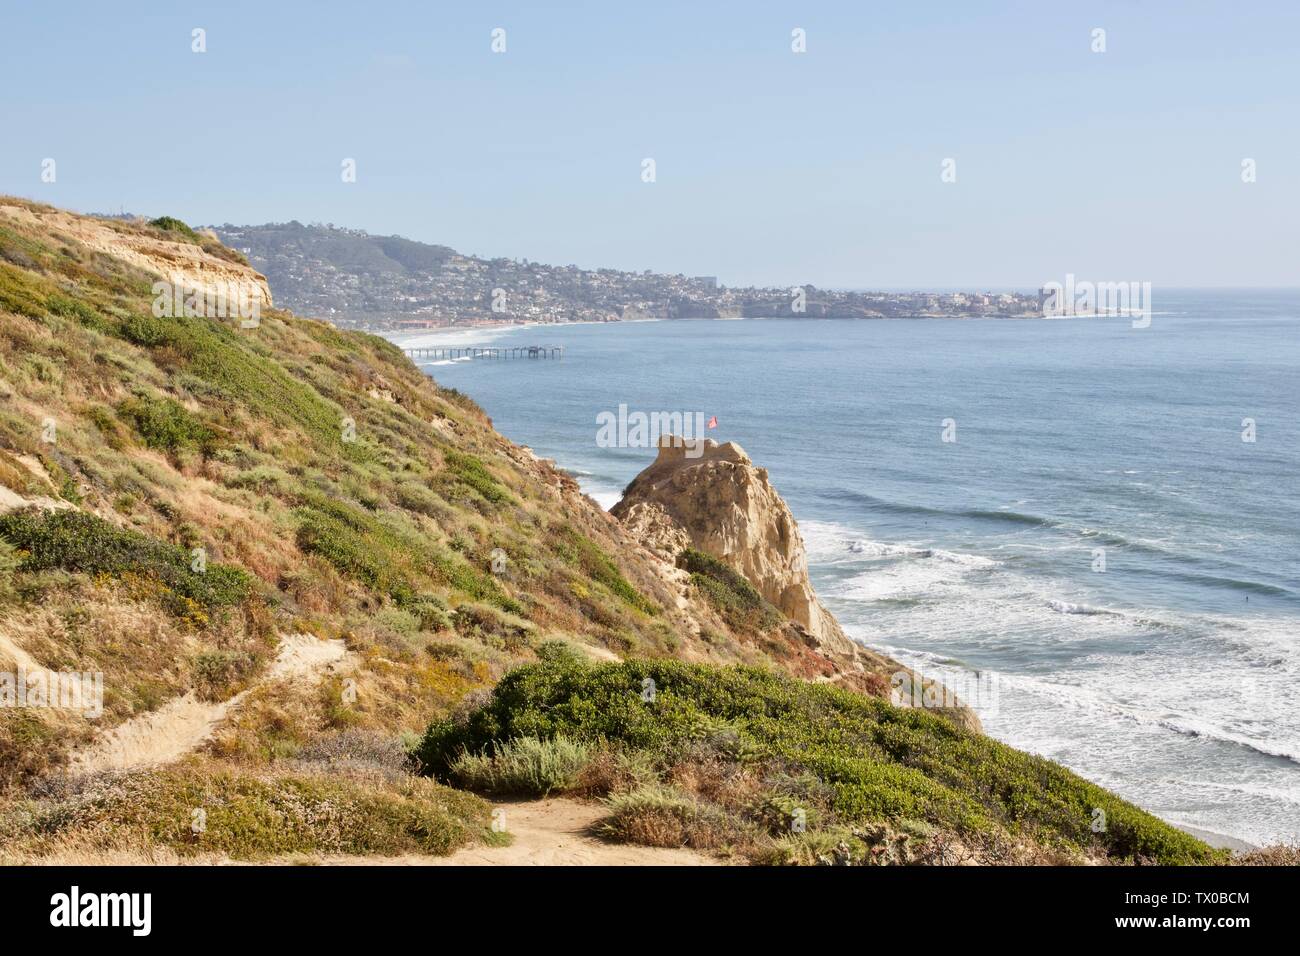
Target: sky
<point>771,167</point>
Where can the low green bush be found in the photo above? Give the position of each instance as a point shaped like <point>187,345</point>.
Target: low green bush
<point>233,369</point>
<point>874,761</point>
<point>9,563</point>
<point>559,651</point>
<point>729,592</point>
<point>661,816</point>
<point>580,551</point>
<point>254,817</point>
<point>84,543</point>
<point>175,226</point>
<point>351,541</point>
<point>468,471</point>
<point>166,424</point>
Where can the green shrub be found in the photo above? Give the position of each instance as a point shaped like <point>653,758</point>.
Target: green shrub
<point>145,330</point>
<point>166,424</point>
<point>874,761</point>
<point>383,556</point>
<point>525,766</point>
<point>467,471</point>
<point>357,544</point>
<point>176,227</point>
<point>70,308</point>
<point>834,846</point>
<point>264,479</point>
<point>661,816</point>
<point>485,622</point>
<point>415,497</point>
<point>232,367</point>
<point>430,613</point>
<point>578,550</point>
<point>217,673</point>
<point>21,292</point>
<point>559,652</point>
<point>253,817</point>
<point>9,563</point>
<point>729,592</point>
<point>83,543</point>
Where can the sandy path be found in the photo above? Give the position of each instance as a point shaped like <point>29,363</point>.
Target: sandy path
<point>183,723</point>
<point>11,652</point>
<point>12,501</point>
<point>546,833</point>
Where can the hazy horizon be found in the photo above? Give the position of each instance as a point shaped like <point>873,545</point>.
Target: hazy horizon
<point>772,167</point>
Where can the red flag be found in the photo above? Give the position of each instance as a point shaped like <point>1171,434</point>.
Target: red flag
<point>713,422</point>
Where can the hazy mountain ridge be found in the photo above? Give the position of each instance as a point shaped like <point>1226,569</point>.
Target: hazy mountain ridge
<point>356,279</point>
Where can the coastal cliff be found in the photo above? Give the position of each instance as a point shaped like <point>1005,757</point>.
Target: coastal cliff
<point>714,497</point>
<point>699,495</point>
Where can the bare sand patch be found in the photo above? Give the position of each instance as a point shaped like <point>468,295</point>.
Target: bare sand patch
<point>184,723</point>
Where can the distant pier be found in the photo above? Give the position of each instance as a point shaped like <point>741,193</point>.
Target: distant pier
<point>443,353</point>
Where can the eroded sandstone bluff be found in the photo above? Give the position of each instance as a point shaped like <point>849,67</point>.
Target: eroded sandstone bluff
<point>712,498</point>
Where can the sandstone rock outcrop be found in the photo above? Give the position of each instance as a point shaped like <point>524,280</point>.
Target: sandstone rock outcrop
<point>713,498</point>
<point>176,261</point>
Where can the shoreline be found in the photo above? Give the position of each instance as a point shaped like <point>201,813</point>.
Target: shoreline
<point>1220,841</point>
<point>470,335</point>
<point>446,332</point>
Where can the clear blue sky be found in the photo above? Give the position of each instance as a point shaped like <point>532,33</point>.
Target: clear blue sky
<point>773,167</point>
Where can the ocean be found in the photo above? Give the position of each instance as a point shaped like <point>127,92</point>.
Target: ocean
<point>1098,535</point>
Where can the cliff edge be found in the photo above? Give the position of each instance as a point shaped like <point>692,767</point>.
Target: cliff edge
<point>708,497</point>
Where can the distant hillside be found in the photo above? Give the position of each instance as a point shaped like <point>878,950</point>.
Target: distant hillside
<point>348,250</point>
<point>354,279</point>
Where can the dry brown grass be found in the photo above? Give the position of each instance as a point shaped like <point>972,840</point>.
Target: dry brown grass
<point>663,817</point>
<point>1278,855</point>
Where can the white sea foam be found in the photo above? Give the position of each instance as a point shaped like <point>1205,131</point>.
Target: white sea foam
<point>452,338</point>
<point>1132,685</point>
<point>827,541</point>
<point>605,498</point>
<point>1067,607</point>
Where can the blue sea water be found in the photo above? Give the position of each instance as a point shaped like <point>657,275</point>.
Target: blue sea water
<point>1171,677</point>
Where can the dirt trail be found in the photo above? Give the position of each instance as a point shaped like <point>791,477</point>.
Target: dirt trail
<point>12,653</point>
<point>546,833</point>
<point>182,724</point>
<point>12,501</point>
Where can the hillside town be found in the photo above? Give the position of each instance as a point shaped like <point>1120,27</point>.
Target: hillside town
<point>386,283</point>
